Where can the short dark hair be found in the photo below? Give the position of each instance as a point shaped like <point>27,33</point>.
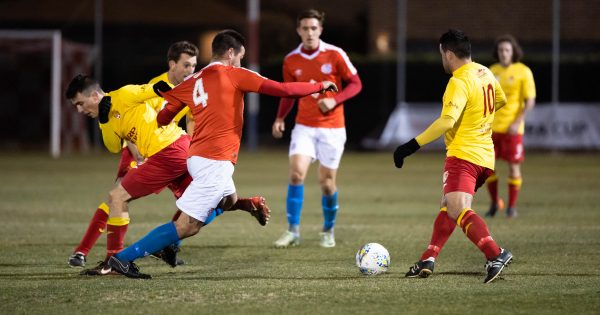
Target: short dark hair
<point>226,39</point>
<point>517,50</point>
<point>182,47</point>
<point>81,84</point>
<point>457,42</point>
<point>311,14</point>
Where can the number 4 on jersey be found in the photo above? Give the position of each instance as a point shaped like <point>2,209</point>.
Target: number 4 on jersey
<point>200,96</point>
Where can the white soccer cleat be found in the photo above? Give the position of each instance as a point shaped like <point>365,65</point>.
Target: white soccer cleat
<point>327,239</point>
<point>287,239</point>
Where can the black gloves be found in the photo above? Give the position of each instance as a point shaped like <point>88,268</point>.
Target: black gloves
<point>405,150</point>
<point>104,109</point>
<point>160,87</point>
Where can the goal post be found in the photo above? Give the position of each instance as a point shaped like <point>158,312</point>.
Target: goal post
<point>67,130</point>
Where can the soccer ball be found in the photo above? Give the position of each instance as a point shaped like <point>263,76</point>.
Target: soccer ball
<point>372,259</point>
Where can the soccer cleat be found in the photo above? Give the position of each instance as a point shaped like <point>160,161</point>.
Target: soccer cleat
<point>257,207</point>
<point>169,255</point>
<point>494,267</point>
<point>494,207</point>
<point>103,269</point>
<point>422,269</point>
<point>327,239</point>
<point>76,260</point>
<point>511,212</point>
<point>287,239</point>
<point>128,269</point>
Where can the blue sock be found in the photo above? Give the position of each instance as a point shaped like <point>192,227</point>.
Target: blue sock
<point>213,215</point>
<point>330,207</point>
<point>159,238</point>
<point>295,197</point>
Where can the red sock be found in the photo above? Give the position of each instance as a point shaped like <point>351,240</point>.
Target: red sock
<point>476,230</point>
<point>514,186</point>
<point>95,228</point>
<point>442,229</point>
<point>117,228</point>
<point>492,185</point>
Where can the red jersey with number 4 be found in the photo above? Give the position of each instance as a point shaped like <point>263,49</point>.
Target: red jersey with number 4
<point>327,63</point>
<point>215,96</point>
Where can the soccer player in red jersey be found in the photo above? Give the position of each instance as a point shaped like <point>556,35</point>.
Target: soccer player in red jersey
<point>181,59</point>
<point>508,128</point>
<point>215,96</point>
<point>470,100</point>
<point>125,114</point>
<point>320,132</point>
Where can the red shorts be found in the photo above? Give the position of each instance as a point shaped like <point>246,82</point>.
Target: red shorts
<point>508,147</point>
<point>125,163</point>
<point>461,175</point>
<point>166,168</point>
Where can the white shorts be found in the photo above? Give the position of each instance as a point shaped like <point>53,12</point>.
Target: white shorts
<point>212,180</point>
<point>323,144</point>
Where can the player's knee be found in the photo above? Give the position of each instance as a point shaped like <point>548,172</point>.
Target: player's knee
<point>117,195</point>
<point>187,229</point>
<point>327,186</point>
<point>296,178</point>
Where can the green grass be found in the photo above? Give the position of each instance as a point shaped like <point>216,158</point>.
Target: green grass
<point>231,267</point>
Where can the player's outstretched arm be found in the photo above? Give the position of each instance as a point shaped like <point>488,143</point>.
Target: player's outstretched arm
<point>434,131</point>
<point>295,89</point>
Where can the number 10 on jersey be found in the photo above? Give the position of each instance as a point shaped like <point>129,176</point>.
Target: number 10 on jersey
<point>489,99</point>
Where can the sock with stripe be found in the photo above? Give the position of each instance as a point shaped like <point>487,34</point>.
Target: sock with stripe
<point>514,186</point>
<point>156,240</point>
<point>116,229</point>
<point>95,228</point>
<point>442,229</point>
<point>330,207</point>
<point>295,197</point>
<point>476,230</point>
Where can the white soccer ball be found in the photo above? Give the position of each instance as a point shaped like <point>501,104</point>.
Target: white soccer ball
<point>372,259</point>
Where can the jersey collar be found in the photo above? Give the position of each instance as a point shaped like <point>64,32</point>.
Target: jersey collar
<point>314,54</point>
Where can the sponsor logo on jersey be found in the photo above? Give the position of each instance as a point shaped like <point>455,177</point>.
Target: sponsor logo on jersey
<point>326,68</point>
<point>298,72</point>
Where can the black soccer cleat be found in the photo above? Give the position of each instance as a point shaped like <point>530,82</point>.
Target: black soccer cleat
<point>492,212</point>
<point>422,269</point>
<point>495,266</point>
<point>76,260</point>
<point>128,269</point>
<point>102,269</point>
<point>169,255</point>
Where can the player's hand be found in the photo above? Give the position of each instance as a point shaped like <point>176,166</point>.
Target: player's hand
<point>160,87</point>
<point>329,86</point>
<point>278,128</point>
<point>513,129</point>
<point>104,109</point>
<point>326,104</point>
<point>405,150</point>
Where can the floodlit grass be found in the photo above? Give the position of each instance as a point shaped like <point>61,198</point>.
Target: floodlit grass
<point>231,266</point>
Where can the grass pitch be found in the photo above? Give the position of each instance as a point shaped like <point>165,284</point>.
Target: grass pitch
<point>231,266</point>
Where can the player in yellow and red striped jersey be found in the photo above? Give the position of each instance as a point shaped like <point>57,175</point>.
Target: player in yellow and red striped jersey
<point>182,61</point>
<point>508,128</point>
<point>470,100</point>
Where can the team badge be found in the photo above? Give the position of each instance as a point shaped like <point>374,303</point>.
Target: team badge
<point>326,68</point>
<point>117,115</point>
<point>298,72</point>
